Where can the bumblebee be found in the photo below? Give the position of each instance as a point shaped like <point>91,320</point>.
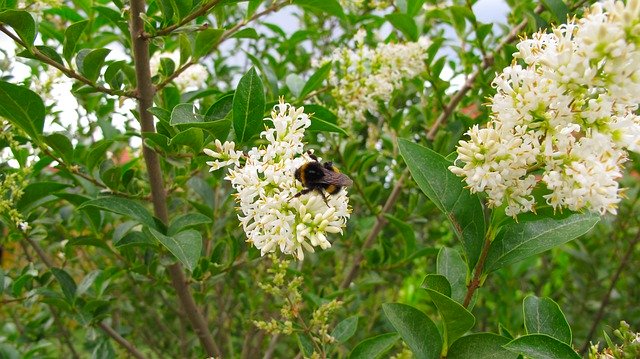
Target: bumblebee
<point>321,177</point>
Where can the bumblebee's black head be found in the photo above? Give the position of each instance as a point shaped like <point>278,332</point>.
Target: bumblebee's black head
<point>310,172</point>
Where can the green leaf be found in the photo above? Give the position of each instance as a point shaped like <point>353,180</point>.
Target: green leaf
<point>186,246</point>
<point>323,120</point>
<point>91,61</point>
<point>414,6</point>
<point>315,81</point>
<point>45,50</point>
<point>96,153</point>
<point>248,106</point>
<point>246,33</point>
<point>430,171</point>
<point>451,265</point>
<point>518,241</point>
<point>541,346</point>
<point>221,108</point>
<point>22,23</point>
<point>345,329</point>
<point>71,36</point>
<point>206,41</point>
<point>60,144</point>
<point>23,107</point>
<point>558,8</point>
<point>331,7</point>
<point>306,344</point>
<point>407,233</point>
<point>294,83</point>
<point>252,7</point>
<point>185,48</point>
<point>185,115</point>
<point>187,220</point>
<point>543,316</point>
<point>457,320</point>
<point>416,329</point>
<point>480,346</point>
<point>123,206</point>
<point>67,283</point>
<point>35,191</point>
<point>192,137</point>
<point>375,347</point>
<point>437,282</point>
<point>405,24</point>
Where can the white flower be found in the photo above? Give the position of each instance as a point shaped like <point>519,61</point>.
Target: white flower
<point>192,78</point>
<point>567,117</point>
<point>366,76</point>
<point>24,226</point>
<point>271,214</point>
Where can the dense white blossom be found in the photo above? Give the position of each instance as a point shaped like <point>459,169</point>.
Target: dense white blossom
<point>364,76</point>
<point>192,78</point>
<point>271,214</point>
<point>563,120</point>
<point>359,5</point>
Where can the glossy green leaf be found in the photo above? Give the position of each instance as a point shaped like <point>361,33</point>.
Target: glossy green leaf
<point>186,246</point>
<point>331,7</point>
<point>315,81</point>
<point>305,344</point>
<point>123,206</point>
<point>405,24</point>
<point>414,6</point>
<point>45,50</point>
<point>541,346</point>
<point>438,283</point>
<point>67,283</point>
<point>246,33</point>
<point>375,347</point>
<point>451,265</point>
<point>206,41</point>
<point>430,171</point>
<point>345,329</point>
<point>518,241</point>
<point>22,23</point>
<point>248,106</point>
<point>91,62</point>
<point>457,320</point>
<point>295,83</point>
<point>60,144</point>
<point>480,346</point>
<point>543,316</point>
<point>23,107</point>
<point>407,233</point>
<point>416,329</point>
<point>71,36</point>
<point>185,116</point>
<point>36,191</point>
<point>221,108</point>
<point>558,8</point>
<point>192,137</point>
<point>187,220</point>
<point>97,153</point>
<point>323,120</point>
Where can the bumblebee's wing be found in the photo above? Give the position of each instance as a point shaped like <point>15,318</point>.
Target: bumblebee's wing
<point>334,178</point>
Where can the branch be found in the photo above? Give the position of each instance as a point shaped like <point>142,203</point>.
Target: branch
<point>146,93</point>
<point>477,272</point>
<point>486,62</point>
<point>65,70</point>
<point>380,223</point>
<point>122,341</point>
<point>201,11</point>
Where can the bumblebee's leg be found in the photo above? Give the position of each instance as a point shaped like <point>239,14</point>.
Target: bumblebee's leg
<point>303,192</point>
<point>324,196</point>
<point>313,157</point>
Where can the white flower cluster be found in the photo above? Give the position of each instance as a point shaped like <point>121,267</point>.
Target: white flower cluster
<point>192,78</point>
<point>565,120</point>
<point>272,216</point>
<point>365,76</point>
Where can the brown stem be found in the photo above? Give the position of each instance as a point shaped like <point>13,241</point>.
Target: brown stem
<point>486,62</point>
<point>204,8</point>
<point>146,92</point>
<point>477,272</point>
<point>122,341</point>
<point>607,297</point>
<point>65,70</point>
<point>381,221</point>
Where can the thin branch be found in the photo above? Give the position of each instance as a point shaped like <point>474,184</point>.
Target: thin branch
<point>381,221</point>
<point>607,297</point>
<point>65,70</point>
<point>122,341</point>
<point>146,92</point>
<point>468,84</point>
<point>204,8</point>
<point>477,272</point>
<point>228,33</point>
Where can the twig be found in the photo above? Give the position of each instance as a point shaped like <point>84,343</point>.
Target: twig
<point>65,70</point>
<point>607,297</point>
<point>380,223</point>
<point>146,92</point>
<point>486,62</point>
<point>201,11</point>
<point>477,272</point>
<point>122,341</point>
